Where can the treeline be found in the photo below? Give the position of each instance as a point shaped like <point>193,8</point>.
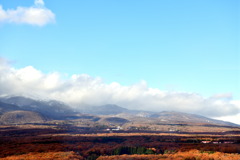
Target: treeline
<point>133,150</point>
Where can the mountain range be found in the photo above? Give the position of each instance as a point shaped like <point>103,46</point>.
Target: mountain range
<point>21,110</point>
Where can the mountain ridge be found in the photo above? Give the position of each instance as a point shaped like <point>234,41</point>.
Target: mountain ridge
<point>52,109</point>
<point>55,110</point>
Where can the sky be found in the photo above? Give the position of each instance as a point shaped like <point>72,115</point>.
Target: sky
<point>141,54</point>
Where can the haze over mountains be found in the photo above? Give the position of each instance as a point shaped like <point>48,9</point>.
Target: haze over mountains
<point>18,109</point>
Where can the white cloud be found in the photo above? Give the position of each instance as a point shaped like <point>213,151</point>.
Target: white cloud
<point>39,2</point>
<point>232,118</point>
<point>82,89</point>
<point>34,15</point>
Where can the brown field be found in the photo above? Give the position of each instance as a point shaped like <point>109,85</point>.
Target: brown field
<point>188,155</point>
<point>45,143</point>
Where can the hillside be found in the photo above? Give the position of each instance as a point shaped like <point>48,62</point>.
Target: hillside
<point>5,107</point>
<point>21,117</point>
<point>114,120</point>
<point>179,117</point>
<point>51,109</point>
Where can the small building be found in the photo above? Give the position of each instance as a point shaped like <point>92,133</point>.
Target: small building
<point>228,142</point>
<point>117,129</point>
<point>206,142</point>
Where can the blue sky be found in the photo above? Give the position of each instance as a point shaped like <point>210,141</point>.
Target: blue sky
<point>183,46</point>
<point>174,45</point>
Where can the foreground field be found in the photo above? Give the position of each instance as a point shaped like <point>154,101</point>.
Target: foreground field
<point>190,155</point>
<point>47,143</point>
<point>45,156</point>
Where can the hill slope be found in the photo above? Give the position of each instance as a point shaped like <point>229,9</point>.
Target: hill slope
<point>51,109</point>
<point>4,107</point>
<point>179,117</point>
<point>20,117</point>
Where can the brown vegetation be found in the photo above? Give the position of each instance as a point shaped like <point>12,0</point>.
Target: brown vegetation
<point>190,155</point>
<point>45,156</point>
<point>35,142</point>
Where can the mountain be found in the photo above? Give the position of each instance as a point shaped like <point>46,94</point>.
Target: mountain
<point>112,109</point>
<point>107,114</point>
<point>109,109</point>
<point>20,117</point>
<point>51,109</point>
<point>111,113</point>
<point>4,107</point>
<point>179,117</point>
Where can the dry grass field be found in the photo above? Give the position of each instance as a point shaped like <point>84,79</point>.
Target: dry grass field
<point>30,142</point>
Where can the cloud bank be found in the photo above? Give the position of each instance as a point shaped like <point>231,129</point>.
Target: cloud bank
<point>35,15</point>
<point>82,89</point>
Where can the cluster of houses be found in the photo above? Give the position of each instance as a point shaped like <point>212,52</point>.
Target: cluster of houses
<point>115,129</point>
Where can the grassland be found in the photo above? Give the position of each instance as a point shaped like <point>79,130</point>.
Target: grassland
<point>65,141</point>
